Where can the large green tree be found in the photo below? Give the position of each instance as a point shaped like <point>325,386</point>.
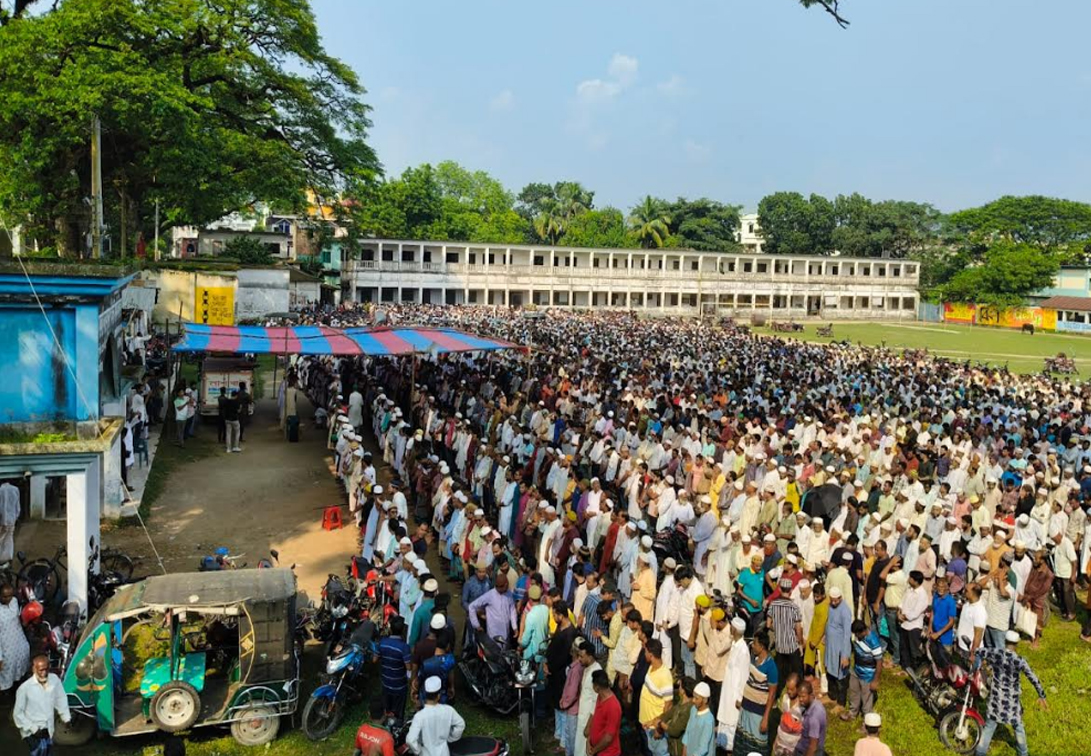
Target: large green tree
<point>1007,274</point>
<point>603,229</point>
<point>1060,225</point>
<point>205,106</point>
<point>446,202</point>
<point>794,224</point>
<point>704,224</point>
<point>890,228</point>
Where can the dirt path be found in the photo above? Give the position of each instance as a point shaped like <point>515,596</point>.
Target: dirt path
<point>269,496</point>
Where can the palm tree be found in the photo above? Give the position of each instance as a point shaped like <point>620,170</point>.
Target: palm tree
<point>650,222</point>
<point>549,224</point>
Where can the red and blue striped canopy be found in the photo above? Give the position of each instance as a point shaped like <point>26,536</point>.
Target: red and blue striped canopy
<point>319,340</point>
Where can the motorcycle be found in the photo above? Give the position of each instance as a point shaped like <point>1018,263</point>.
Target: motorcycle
<point>64,635</point>
<point>503,681</point>
<point>338,615</point>
<point>220,559</point>
<point>474,745</point>
<point>326,707</point>
<point>673,543</point>
<point>953,695</point>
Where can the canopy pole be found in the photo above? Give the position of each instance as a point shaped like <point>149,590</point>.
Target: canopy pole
<point>276,359</point>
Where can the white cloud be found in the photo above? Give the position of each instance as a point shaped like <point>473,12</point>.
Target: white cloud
<point>672,87</point>
<point>623,68</point>
<point>502,102</point>
<point>696,151</point>
<point>621,73</point>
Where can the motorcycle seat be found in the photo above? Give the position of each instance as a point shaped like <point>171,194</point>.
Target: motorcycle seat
<point>475,746</point>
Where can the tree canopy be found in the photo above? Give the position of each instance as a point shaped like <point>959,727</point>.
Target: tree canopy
<point>1059,225</point>
<point>1009,272</point>
<point>207,108</point>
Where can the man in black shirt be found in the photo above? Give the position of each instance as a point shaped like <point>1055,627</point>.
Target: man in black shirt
<point>229,415</point>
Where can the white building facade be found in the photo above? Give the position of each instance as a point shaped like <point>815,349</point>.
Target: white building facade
<point>670,282</point>
<point>659,282</point>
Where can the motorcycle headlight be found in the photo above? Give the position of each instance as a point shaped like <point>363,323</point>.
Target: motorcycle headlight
<point>336,664</point>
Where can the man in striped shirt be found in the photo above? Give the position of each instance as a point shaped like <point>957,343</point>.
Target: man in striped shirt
<point>786,621</point>
<point>867,655</point>
<point>592,621</point>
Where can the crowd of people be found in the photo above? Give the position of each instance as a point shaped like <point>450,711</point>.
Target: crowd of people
<point>720,533</point>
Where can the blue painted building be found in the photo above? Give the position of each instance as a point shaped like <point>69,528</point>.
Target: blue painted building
<point>60,344</point>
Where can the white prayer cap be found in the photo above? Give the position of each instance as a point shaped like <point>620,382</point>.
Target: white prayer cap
<point>804,584</point>
<point>432,684</point>
<point>670,480</point>
<point>646,542</point>
<point>669,563</point>
<point>770,538</point>
<point>739,624</point>
<point>835,592</point>
<point>702,690</point>
<point>376,490</point>
<point>404,541</point>
<point>630,525</point>
<point>793,559</point>
<point>486,530</point>
<point>873,719</point>
<point>438,622</point>
<point>1011,636</point>
<point>746,538</point>
<point>431,585</point>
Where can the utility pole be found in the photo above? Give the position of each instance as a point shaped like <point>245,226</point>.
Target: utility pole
<point>96,187</point>
<point>157,229</point>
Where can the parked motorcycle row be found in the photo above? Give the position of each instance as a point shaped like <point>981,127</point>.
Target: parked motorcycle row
<point>52,624</point>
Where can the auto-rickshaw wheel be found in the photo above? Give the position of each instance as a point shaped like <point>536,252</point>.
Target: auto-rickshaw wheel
<point>256,727</point>
<point>78,732</point>
<point>175,706</point>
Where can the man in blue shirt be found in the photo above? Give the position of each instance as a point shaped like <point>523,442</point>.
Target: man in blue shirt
<point>394,655</point>
<point>944,614</point>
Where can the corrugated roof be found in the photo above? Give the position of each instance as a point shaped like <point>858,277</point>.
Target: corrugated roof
<point>1077,304</point>
<point>219,588</point>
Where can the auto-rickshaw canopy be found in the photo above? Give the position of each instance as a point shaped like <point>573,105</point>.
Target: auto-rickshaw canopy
<point>263,600</point>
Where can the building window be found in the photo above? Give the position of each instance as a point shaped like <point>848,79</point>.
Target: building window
<point>325,257</point>
<point>865,270</point>
<point>451,258</point>
<point>595,263</point>
<point>763,267</point>
<point>472,258</point>
<point>539,260</point>
<point>695,265</point>
<point>407,255</point>
<point>832,270</point>
<point>492,259</point>
<point>388,255</point>
<point>748,267</point>
<point>427,255</point>
<point>676,264</point>
<point>896,271</point>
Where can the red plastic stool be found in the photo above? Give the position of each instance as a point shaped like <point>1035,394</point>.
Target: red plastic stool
<point>331,518</point>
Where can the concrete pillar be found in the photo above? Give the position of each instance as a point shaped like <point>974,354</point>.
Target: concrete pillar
<point>113,492</point>
<point>83,528</point>
<point>37,496</point>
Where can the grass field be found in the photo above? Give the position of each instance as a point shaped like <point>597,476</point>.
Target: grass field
<point>1022,352</point>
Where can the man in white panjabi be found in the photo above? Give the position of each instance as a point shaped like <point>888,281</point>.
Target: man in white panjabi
<point>736,673</point>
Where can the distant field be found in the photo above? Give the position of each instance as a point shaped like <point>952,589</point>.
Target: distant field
<point>1021,352</point>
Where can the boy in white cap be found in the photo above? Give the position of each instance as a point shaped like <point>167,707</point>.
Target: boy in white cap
<point>435,725</point>
<point>699,738</point>
<point>870,745</point>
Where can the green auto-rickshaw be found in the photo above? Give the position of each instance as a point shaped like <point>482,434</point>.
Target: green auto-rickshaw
<point>187,650</point>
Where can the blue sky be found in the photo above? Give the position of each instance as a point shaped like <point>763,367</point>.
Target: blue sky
<point>953,102</point>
